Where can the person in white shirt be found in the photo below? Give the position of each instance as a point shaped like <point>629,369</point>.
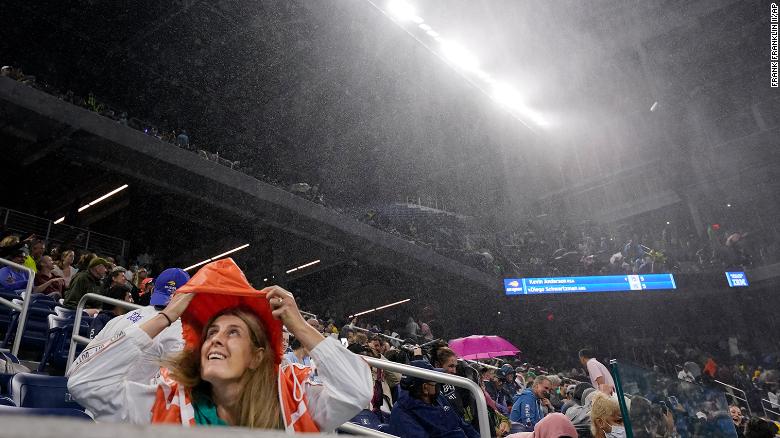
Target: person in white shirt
<point>600,376</point>
<point>230,372</point>
<point>169,341</point>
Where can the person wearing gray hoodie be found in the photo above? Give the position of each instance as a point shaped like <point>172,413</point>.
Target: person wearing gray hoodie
<point>580,413</point>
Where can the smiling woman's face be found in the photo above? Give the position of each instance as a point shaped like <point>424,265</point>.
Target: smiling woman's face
<point>227,351</point>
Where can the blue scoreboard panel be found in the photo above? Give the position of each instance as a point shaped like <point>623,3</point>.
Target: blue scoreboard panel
<point>596,283</point>
<point>737,279</point>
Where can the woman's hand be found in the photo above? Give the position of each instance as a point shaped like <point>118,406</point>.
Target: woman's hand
<point>178,305</point>
<point>286,309</point>
<point>167,316</point>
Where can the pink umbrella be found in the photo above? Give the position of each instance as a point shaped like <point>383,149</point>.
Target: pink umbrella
<point>482,347</point>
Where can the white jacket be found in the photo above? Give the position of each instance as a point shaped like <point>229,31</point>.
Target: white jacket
<point>147,366</point>
<point>100,381</point>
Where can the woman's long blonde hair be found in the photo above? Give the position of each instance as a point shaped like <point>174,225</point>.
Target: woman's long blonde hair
<point>603,407</point>
<point>258,405</point>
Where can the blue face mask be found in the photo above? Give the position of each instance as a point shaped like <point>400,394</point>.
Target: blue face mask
<point>616,432</point>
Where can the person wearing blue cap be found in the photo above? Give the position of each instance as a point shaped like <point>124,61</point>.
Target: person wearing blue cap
<point>422,412</point>
<point>167,342</point>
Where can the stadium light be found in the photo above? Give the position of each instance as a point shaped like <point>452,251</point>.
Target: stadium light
<point>485,76</point>
<point>217,257</point>
<point>380,307</point>
<point>402,10</point>
<point>534,116</point>
<point>98,200</point>
<point>459,56</point>
<point>303,266</point>
<point>507,96</point>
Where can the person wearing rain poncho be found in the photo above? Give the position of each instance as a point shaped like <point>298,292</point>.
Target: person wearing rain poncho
<point>230,371</point>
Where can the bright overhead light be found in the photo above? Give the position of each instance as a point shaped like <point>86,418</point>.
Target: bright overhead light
<point>459,56</point>
<point>217,257</point>
<point>393,304</point>
<point>433,33</point>
<point>380,307</point>
<point>506,95</point>
<point>230,252</point>
<point>402,10</point>
<point>485,76</point>
<point>534,116</point>
<point>303,266</point>
<point>417,19</point>
<point>425,27</point>
<point>102,198</point>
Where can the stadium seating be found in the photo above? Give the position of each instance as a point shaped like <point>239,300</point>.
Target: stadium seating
<point>60,330</point>
<point>64,312</point>
<point>48,412</point>
<point>368,419</point>
<point>39,391</point>
<point>5,312</point>
<point>37,324</point>
<point>5,378</point>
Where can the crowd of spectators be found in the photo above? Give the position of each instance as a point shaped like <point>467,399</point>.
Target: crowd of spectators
<point>532,249</point>
<point>537,248</point>
<point>62,278</point>
<point>521,397</point>
<point>524,398</point>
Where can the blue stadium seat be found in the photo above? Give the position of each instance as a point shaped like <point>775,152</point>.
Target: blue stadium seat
<point>368,419</point>
<point>5,378</point>
<point>64,312</point>
<point>6,401</point>
<point>55,353</point>
<point>5,312</point>
<point>39,391</point>
<point>5,383</point>
<point>36,326</point>
<point>48,412</point>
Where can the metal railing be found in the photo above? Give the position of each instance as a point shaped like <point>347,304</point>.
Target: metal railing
<point>435,376</point>
<point>25,308</point>
<point>60,233</point>
<point>770,409</point>
<point>75,337</point>
<point>614,369</point>
<point>356,429</point>
<point>729,391</point>
<point>393,338</point>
